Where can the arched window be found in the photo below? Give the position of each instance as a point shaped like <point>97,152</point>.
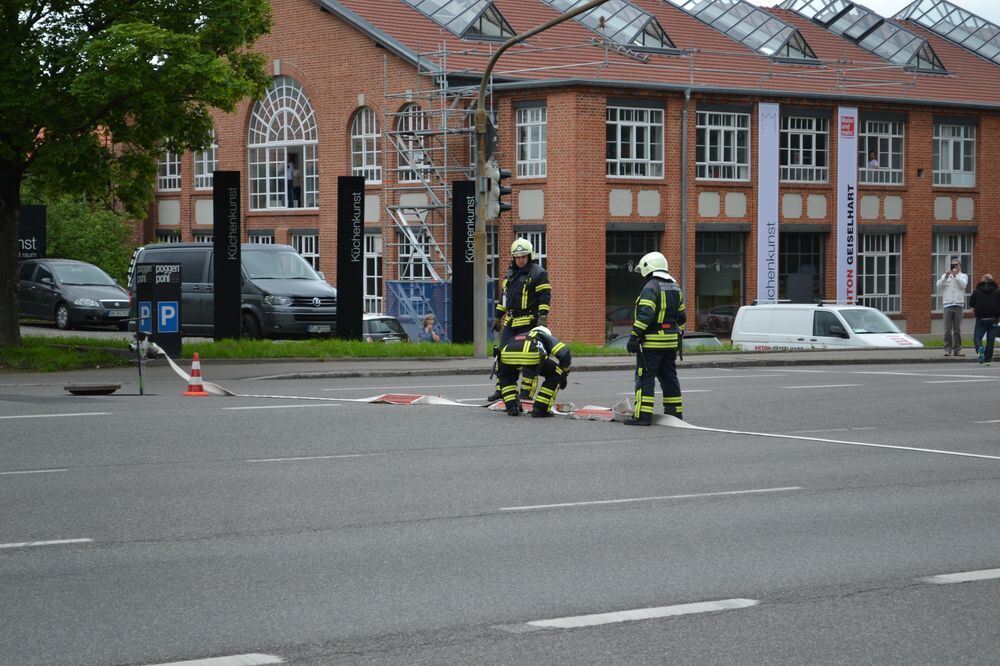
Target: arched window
<point>411,131</point>
<point>366,146</point>
<point>281,147</point>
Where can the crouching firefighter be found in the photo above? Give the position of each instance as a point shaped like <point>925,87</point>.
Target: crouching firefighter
<point>525,298</point>
<point>538,353</point>
<point>656,339</point>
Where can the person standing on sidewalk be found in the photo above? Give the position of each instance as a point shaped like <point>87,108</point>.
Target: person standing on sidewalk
<point>985,300</point>
<point>525,298</point>
<point>655,338</point>
<point>951,288</point>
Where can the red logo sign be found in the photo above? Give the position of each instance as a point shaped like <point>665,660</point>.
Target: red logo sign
<point>847,126</point>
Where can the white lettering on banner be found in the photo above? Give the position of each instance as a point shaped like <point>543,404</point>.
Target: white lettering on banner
<point>165,271</point>
<point>767,201</point>
<point>847,194</point>
<point>28,243</point>
<point>470,229</point>
<point>233,219</point>
<point>356,227</point>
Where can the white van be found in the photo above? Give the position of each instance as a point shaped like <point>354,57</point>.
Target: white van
<point>769,326</point>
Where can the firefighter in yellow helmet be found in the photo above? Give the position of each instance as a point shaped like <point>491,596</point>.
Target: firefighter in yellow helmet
<point>537,352</point>
<point>655,338</point>
<point>525,297</point>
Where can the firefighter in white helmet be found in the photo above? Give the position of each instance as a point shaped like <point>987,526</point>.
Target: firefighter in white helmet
<point>525,297</point>
<point>655,339</point>
<point>536,352</point>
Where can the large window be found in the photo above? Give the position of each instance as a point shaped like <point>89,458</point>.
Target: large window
<point>531,141</point>
<point>880,152</point>
<point>168,172</point>
<point>205,163</point>
<point>412,130</point>
<point>953,158</point>
<point>722,151</point>
<point>373,273</point>
<point>879,267</point>
<point>492,254</point>
<point>634,142</point>
<point>804,149</point>
<point>621,283</point>
<point>282,149</point>
<point>947,246</point>
<point>366,146</point>
<point>719,273</point>
<point>801,267</point>
<point>307,244</point>
<point>414,259</point>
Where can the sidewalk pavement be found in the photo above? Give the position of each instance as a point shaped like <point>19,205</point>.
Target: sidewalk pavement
<point>218,370</point>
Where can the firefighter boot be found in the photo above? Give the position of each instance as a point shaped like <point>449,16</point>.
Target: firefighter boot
<point>644,420</point>
<point>513,409</point>
<point>540,412</point>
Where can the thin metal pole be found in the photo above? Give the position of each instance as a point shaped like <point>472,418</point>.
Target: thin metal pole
<point>479,237</point>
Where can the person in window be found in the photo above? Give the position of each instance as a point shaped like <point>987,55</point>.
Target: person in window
<point>951,288</point>
<point>429,331</point>
<point>872,160</point>
<point>985,300</point>
<point>293,181</point>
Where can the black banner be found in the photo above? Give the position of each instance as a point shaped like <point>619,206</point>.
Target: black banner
<point>158,304</point>
<point>350,255</point>
<point>463,259</point>
<point>31,236</point>
<point>227,224</point>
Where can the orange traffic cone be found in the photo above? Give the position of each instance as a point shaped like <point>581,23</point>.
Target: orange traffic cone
<point>195,387</point>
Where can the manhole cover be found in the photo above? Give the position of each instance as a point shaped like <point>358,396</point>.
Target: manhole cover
<point>92,389</point>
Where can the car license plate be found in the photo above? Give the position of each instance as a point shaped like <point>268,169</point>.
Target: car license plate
<point>318,328</point>
<point>390,340</point>
<point>117,313</point>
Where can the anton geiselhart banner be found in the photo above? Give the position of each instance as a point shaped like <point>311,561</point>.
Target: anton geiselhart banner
<point>767,202</point>
<point>847,195</point>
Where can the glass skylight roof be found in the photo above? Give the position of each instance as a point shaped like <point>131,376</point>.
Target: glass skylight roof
<point>749,25</point>
<point>870,31</point>
<point>624,23</point>
<point>472,19</point>
<point>954,23</point>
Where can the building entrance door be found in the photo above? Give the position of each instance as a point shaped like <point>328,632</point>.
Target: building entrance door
<point>719,279</point>
<point>621,282</point>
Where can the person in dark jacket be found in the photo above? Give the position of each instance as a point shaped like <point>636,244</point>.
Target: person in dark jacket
<point>525,298</point>
<point>655,339</point>
<point>985,300</point>
<point>537,352</point>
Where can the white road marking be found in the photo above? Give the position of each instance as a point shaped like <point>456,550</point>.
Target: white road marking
<point>381,388</point>
<point>908,374</point>
<point>959,381</point>
<point>642,614</point>
<point>278,406</point>
<point>233,660</point>
<point>686,378</point>
<point>685,391</point>
<point>55,416</point>
<point>35,471</point>
<point>830,430</point>
<point>963,577</point>
<point>820,386</point>
<point>56,542</point>
<point>343,455</point>
<point>993,421</point>
<point>649,499</point>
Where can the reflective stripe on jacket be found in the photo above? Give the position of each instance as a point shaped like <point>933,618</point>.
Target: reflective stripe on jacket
<point>659,314</point>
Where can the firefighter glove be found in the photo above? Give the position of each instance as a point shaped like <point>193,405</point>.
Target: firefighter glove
<point>497,323</point>
<point>632,345</point>
<point>564,380</point>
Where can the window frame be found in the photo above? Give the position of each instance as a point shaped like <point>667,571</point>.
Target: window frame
<point>168,172</point>
<point>366,145</point>
<point>799,172</point>
<point>539,245</point>
<point>532,141</point>
<point>619,117</point>
<point>735,130</point>
<point>942,146</point>
<point>205,163</point>
<point>373,297</point>
<point>944,246</point>
<point>882,132</point>
<point>307,245</point>
<point>413,163</point>
<point>880,261</point>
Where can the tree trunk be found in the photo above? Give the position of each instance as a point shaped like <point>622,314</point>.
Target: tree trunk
<point>10,217</point>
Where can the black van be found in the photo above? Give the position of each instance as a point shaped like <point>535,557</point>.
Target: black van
<point>282,295</point>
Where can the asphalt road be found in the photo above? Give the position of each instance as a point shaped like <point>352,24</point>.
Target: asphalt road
<point>815,504</point>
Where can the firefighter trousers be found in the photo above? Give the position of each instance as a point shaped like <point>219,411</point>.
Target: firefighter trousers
<point>652,365</point>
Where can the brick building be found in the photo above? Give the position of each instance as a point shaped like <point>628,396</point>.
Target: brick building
<point>642,125</point>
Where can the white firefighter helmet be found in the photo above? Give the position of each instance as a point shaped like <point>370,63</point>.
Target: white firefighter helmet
<point>521,248</point>
<point>541,329</point>
<point>654,261</point>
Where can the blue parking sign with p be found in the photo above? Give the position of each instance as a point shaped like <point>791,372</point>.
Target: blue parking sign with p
<point>146,317</point>
<point>167,319</point>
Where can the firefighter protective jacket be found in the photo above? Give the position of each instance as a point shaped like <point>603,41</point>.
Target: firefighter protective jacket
<point>533,347</point>
<point>659,314</point>
<point>525,294</point>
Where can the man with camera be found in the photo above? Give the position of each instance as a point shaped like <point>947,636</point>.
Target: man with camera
<point>951,288</point>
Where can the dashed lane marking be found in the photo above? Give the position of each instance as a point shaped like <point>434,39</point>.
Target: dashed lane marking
<point>232,660</point>
<point>963,577</point>
<point>34,471</point>
<point>564,505</point>
<point>55,416</point>
<point>811,386</point>
<point>333,457</point>
<point>386,388</point>
<point>54,542</point>
<point>596,619</point>
<point>250,407</point>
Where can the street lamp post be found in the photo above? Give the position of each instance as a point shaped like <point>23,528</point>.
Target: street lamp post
<point>479,237</point>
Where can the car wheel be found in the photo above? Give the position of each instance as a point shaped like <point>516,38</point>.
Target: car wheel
<point>251,327</point>
<point>62,317</point>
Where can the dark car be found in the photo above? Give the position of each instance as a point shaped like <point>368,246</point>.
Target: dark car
<point>71,293</point>
<point>694,341</point>
<point>719,319</point>
<point>383,328</point>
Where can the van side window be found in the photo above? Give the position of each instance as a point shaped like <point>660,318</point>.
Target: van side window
<point>193,265</point>
<point>822,321</point>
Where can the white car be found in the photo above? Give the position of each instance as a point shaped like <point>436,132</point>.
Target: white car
<point>770,326</point>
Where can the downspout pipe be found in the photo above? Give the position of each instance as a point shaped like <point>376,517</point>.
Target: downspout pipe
<point>684,188</point>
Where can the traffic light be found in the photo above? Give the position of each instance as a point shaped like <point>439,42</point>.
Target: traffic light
<point>496,190</point>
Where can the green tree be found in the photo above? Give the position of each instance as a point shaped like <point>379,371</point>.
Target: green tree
<point>96,89</point>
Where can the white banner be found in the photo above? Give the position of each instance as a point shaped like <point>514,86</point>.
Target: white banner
<point>767,202</point>
<point>847,200</point>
